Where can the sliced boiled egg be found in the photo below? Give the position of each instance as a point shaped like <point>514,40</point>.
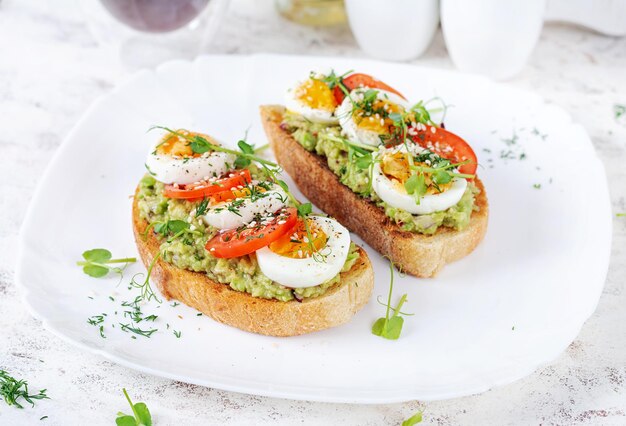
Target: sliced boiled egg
<point>173,160</point>
<point>391,171</point>
<point>291,262</point>
<point>364,115</point>
<point>313,99</point>
<point>252,202</point>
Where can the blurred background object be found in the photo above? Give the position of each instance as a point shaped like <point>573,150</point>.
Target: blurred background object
<point>155,16</point>
<point>605,16</point>
<point>491,37</point>
<point>145,33</point>
<point>396,30</point>
<point>313,12</point>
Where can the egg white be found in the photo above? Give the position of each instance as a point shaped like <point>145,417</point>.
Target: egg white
<point>350,127</point>
<point>308,272</point>
<point>176,169</point>
<point>393,192</point>
<point>316,115</point>
<point>218,215</point>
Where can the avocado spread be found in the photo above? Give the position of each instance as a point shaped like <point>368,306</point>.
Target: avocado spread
<point>188,252</point>
<point>321,139</point>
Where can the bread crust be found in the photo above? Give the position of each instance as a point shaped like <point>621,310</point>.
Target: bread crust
<point>239,309</point>
<point>417,254</point>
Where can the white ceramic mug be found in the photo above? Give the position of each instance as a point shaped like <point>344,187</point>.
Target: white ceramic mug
<point>491,37</point>
<point>396,30</point>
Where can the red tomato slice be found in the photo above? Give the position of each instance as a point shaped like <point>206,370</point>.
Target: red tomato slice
<point>208,188</point>
<point>239,242</point>
<point>449,146</point>
<point>356,80</point>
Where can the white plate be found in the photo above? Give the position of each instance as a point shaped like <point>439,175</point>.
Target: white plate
<point>487,320</point>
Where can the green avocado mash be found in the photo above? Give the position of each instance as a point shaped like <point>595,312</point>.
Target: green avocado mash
<point>188,252</point>
<point>318,138</point>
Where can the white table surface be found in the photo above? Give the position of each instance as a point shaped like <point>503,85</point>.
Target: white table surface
<point>51,69</point>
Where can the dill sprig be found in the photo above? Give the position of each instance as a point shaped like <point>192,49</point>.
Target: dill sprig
<point>12,390</point>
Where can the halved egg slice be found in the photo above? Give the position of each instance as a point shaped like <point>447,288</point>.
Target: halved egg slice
<point>390,173</point>
<point>255,200</point>
<point>364,115</point>
<point>291,262</point>
<point>173,160</point>
<point>313,99</point>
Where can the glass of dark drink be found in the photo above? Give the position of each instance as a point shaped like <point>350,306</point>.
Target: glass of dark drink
<point>155,16</point>
<point>148,32</point>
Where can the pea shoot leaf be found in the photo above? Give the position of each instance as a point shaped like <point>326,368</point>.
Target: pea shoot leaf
<point>171,227</point>
<point>141,415</point>
<point>95,271</point>
<point>390,327</point>
<point>396,117</point>
<point>304,209</point>
<point>97,262</point>
<point>416,185</point>
<point>125,420</point>
<point>245,147</point>
<point>441,177</point>
<point>370,95</point>
<point>364,161</point>
<point>200,145</point>
<point>242,162</point>
<point>97,255</point>
<point>413,420</point>
<point>142,412</point>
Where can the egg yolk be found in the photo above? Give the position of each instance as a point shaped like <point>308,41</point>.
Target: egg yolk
<point>175,145</point>
<point>396,166</point>
<point>376,117</point>
<point>317,95</point>
<point>295,243</point>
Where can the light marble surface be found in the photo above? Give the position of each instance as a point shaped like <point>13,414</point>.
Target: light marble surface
<point>52,68</point>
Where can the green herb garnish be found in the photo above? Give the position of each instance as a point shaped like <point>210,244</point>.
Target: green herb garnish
<point>413,420</point>
<point>140,417</point>
<point>12,390</point>
<point>98,263</point>
<point>619,111</point>
<point>388,326</point>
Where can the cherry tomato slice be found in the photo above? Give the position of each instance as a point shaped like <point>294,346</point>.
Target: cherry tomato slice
<point>449,146</point>
<point>356,80</point>
<point>239,242</point>
<point>207,188</point>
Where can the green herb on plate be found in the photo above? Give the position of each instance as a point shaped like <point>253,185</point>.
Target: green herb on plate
<point>98,263</point>
<point>390,327</point>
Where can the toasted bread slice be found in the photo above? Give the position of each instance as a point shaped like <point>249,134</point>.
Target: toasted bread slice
<point>417,254</point>
<point>238,309</point>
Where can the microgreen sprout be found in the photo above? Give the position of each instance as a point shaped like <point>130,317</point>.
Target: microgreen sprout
<point>147,293</point>
<point>390,327</point>
<point>141,415</point>
<point>12,390</point>
<point>98,263</point>
<point>413,420</point>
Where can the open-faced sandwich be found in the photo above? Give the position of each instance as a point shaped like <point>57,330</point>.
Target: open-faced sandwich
<point>380,165</point>
<point>220,232</point>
